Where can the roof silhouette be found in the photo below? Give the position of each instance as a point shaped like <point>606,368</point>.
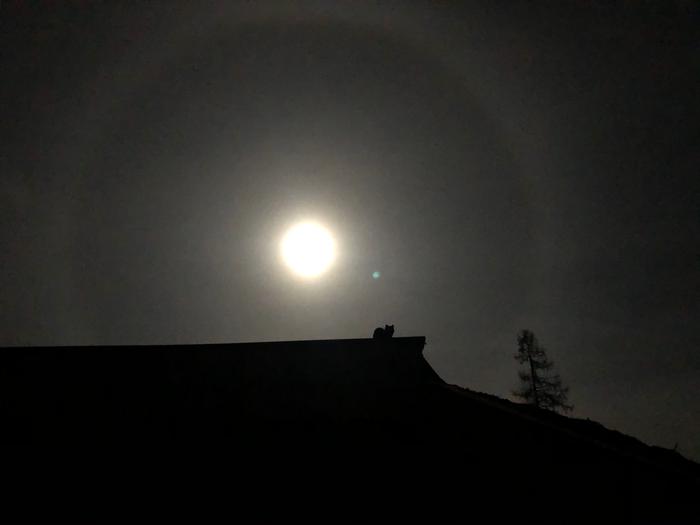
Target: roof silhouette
<point>329,428</point>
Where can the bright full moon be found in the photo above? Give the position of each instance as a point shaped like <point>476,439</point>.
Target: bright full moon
<point>308,249</point>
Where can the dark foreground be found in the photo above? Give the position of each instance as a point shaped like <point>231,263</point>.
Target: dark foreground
<point>336,430</point>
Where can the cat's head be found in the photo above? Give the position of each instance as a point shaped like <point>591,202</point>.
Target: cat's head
<point>389,329</point>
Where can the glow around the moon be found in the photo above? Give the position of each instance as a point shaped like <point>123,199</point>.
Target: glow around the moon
<point>308,249</point>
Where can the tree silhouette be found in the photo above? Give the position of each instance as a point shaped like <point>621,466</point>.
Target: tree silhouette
<point>540,387</point>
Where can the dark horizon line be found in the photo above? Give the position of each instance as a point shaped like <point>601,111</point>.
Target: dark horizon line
<point>421,338</point>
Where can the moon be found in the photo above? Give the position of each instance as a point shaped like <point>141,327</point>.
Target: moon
<point>308,249</point>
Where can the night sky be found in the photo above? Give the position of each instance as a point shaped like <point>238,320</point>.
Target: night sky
<point>502,165</point>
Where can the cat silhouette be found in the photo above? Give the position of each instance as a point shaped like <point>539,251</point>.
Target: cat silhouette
<point>383,333</point>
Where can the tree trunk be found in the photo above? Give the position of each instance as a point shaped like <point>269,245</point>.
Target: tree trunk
<point>533,380</point>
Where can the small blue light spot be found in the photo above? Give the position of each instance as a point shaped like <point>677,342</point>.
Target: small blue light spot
<point>376,275</point>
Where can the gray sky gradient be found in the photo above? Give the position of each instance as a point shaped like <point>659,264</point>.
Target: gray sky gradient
<point>502,167</point>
